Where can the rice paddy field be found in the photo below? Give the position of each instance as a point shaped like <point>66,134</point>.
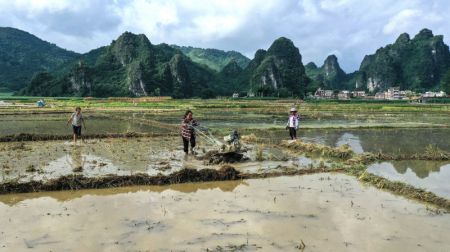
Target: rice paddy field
<point>368,176</point>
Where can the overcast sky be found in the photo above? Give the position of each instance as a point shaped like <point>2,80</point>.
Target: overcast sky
<point>349,29</point>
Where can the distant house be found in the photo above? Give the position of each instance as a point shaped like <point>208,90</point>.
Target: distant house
<point>359,94</point>
<point>393,93</point>
<point>235,95</point>
<point>380,96</point>
<point>434,94</point>
<point>344,95</point>
<point>323,94</point>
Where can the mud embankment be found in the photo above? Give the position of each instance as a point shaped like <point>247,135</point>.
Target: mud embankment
<point>47,137</point>
<point>344,152</point>
<point>78,182</point>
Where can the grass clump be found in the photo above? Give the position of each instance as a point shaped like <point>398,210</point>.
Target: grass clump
<point>342,152</point>
<point>249,138</point>
<point>259,156</point>
<point>434,153</point>
<point>31,168</point>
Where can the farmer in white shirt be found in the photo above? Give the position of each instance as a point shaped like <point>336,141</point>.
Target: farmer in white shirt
<point>77,119</point>
<point>292,123</point>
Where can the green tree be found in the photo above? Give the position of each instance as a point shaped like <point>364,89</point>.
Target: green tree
<point>445,82</point>
<point>157,92</point>
<point>207,93</point>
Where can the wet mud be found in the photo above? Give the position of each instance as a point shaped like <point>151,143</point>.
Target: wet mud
<point>78,182</point>
<point>320,212</point>
<point>216,157</point>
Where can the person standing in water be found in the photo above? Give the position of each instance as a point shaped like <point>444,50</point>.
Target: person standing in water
<point>77,120</point>
<point>292,123</point>
<point>187,131</point>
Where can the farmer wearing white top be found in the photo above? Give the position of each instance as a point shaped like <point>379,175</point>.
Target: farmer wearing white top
<point>292,123</point>
<point>76,119</point>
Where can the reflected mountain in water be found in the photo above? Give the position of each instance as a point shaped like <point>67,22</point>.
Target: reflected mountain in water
<point>422,168</point>
<point>432,176</point>
<point>62,196</point>
<point>392,141</point>
<point>351,140</point>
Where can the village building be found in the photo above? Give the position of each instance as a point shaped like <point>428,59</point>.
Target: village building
<point>380,96</point>
<point>250,94</point>
<point>344,95</point>
<point>434,94</point>
<point>323,94</point>
<point>393,93</point>
<point>359,94</point>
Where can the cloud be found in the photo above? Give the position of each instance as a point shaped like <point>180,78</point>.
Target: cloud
<point>409,19</point>
<point>348,28</point>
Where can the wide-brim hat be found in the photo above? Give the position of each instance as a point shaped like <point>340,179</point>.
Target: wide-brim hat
<point>293,110</point>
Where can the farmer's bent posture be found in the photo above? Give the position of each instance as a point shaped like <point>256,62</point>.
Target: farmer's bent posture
<point>292,123</point>
<point>77,119</point>
<point>187,131</point>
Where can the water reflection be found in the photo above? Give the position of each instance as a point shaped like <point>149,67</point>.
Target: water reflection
<point>393,141</point>
<point>76,160</point>
<point>62,196</point>
<point>430,175</point>
<point>421,168</point>
<point>273,214</point>
<point>351,140</point>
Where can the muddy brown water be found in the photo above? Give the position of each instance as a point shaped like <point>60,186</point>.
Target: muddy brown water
<point>325,212</point>
<point>121,156</point>
<point>433,176</point>
<point>44,160</point>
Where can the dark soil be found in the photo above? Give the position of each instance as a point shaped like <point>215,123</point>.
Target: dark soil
<point>215,157</point>
<point>77,182</point>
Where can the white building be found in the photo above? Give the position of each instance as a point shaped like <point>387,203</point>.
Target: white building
<point>380,96</point>
<point>344,95</point>
<point>323,94</point>
<point>359,94</point>
<point>434,94</point>
<point>393,93</point>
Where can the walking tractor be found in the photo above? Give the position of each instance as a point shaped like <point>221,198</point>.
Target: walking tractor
<point>227,151</point>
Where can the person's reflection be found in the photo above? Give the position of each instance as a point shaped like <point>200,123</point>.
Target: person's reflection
<point>76,159</point>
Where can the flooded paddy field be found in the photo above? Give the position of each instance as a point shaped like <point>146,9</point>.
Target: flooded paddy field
<point>397,141</point>
<point>433,176</point>
<point>329,211</point>
<point>320,212</point>
<point>44,160</point>
<point>254,119</point>
<point>56,124</point>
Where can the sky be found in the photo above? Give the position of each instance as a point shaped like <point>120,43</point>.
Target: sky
<point>350,29</point>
